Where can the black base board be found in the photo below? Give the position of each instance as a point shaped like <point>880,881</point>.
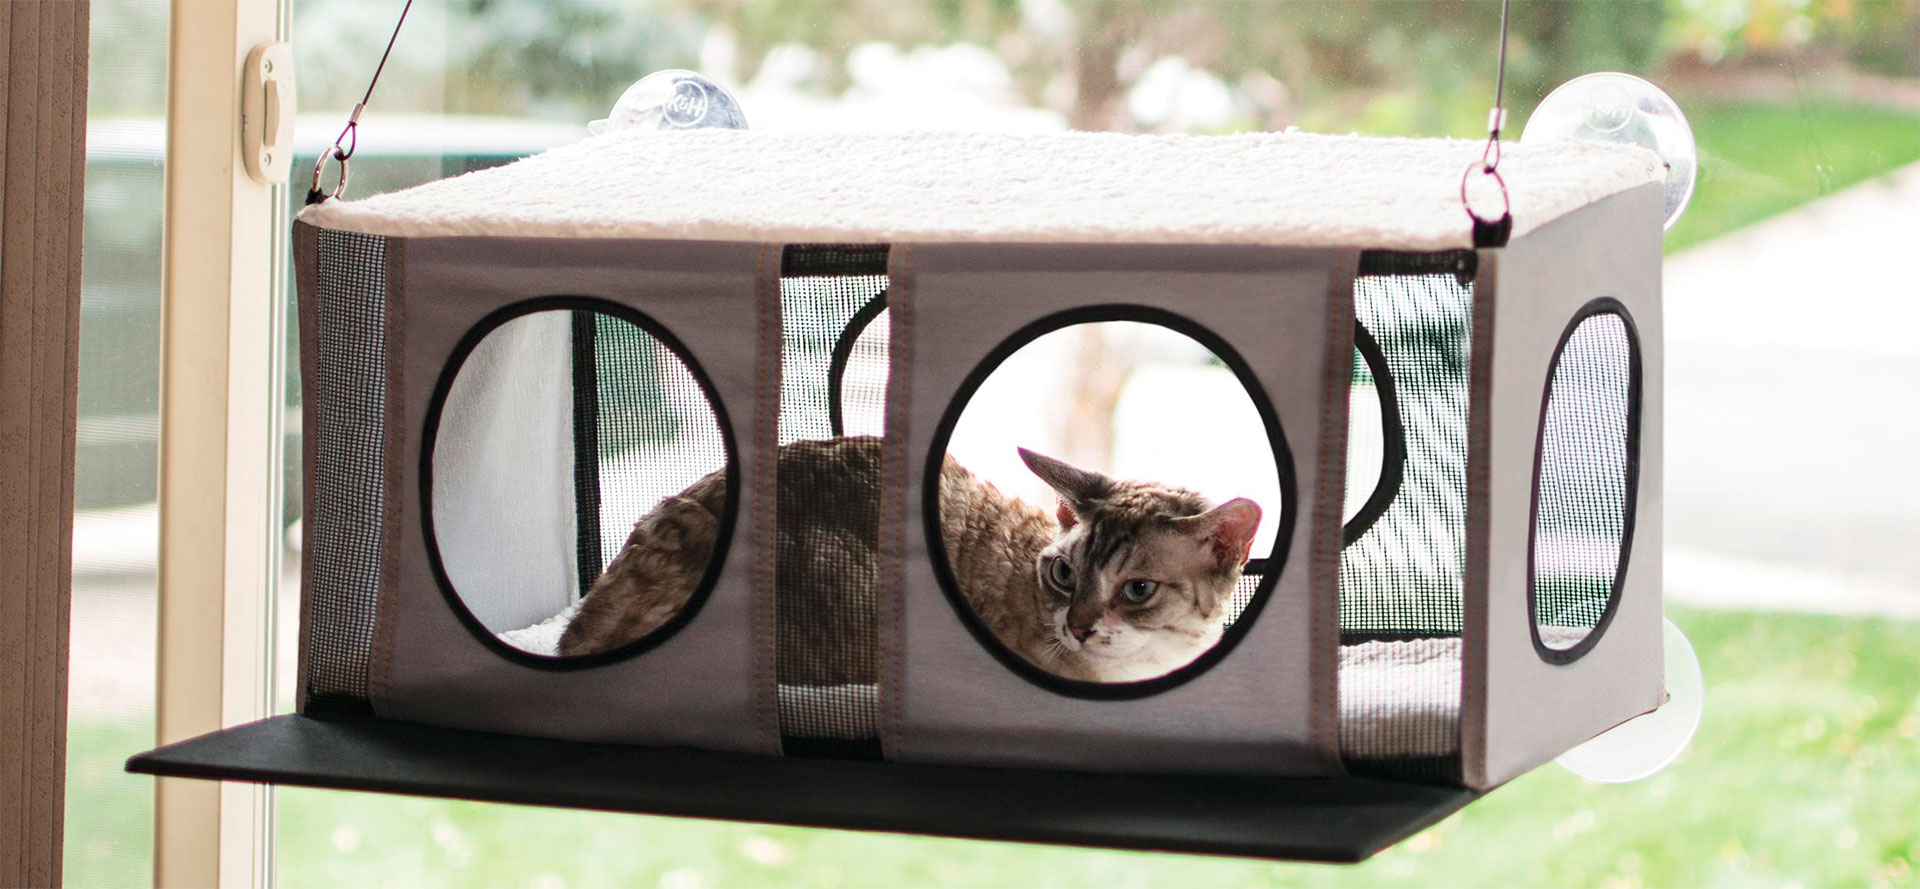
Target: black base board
<point>1319,819</point>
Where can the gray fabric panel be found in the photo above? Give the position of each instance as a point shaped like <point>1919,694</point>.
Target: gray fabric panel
<point>1267,706</point>
<point>1520,711</point>
<point>701,686</point>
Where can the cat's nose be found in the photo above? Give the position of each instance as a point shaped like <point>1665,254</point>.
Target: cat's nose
<point>1080,634</point>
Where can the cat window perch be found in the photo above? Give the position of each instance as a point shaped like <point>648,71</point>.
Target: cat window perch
<point>473,348</point>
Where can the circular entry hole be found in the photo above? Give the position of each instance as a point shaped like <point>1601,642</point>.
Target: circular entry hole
<point>578,490</point>
<point>1585,482</point>
<point>1113,500</point>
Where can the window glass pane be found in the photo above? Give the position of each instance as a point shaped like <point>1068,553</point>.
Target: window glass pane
<point>110,707</point>
<point>1781,498</point>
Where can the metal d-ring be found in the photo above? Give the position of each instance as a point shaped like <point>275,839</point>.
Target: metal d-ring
<point>1494,232</point>
<point>1488,232</point>
<point>314,194</point>
<point>351,134</point>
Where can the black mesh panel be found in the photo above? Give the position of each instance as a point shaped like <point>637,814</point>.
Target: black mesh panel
<point>1243,591</point>
<point>833,383</point>
<point>655,431</point>
<point>1402,579</point>
<point>1405,575</point>
<point>348,395</point>
<point>1582,492</point>
<point>1366,445</point>
<point>857,373</point>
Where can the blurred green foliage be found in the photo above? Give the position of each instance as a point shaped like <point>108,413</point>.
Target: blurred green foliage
<point>1875,36</point>
<point>1325,64</point>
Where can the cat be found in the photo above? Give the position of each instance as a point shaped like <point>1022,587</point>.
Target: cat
<point>1123,581</point>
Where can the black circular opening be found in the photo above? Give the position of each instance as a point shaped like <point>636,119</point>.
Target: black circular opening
<point>863,341</point>
<point>597,328</point>
<point>1586,478</point>
<point>1372,373</point>
<point>1269,564</point>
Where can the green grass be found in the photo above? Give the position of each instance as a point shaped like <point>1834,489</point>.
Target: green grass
<point>109,836</point>
<point>1805,772</point>
<point>1757,161</point>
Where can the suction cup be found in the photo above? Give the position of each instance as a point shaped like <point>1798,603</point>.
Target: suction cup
<point>674,99</point>
<point>1621,108</point>
<point>1646,744</point>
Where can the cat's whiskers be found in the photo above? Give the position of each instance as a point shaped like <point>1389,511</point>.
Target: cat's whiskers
<point>1055,647</point>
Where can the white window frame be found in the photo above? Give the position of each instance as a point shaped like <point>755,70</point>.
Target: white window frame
<point>221,390</point>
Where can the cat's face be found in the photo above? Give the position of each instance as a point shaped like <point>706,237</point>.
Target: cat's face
<point>1138,583</point>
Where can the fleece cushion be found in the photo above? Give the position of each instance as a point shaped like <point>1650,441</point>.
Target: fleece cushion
<point>1291,188</point>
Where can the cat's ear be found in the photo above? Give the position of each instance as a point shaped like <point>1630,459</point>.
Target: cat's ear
<point>1065,515</point>
<point>1227,529</point>
<point>1077,487</point>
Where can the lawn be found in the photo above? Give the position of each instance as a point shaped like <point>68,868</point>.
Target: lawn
<point>109,837</point>
<point>1804,773</point>
<point>1758,161</point>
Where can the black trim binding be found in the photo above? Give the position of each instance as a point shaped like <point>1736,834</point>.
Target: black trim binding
<point>586,450</point>
<point>843,355</point>
<point>1461,264</point>
<point>833,260</point>
<point>1605,305</point>
<point>437,402</point>
<point>1271,567</point>
<point>1393,438</point>
<point>1357,637</point>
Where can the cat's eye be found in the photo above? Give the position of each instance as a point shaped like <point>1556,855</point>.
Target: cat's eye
<point>1138,591</point>
<point>1060,574</point>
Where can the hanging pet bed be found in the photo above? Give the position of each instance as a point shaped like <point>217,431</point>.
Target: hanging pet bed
<point>1376,683</point>
<point>504,369</point>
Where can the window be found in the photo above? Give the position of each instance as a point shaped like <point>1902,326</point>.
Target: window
<point>1781,407</point>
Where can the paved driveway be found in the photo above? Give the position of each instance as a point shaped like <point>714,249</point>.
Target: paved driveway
<point>1793,408</point>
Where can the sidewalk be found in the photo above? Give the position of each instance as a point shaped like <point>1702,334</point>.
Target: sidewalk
<point>1793,408</point>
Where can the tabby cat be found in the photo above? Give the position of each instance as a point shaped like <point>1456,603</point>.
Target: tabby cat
<point>1124,581</point>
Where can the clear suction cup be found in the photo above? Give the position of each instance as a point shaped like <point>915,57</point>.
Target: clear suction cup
<point>1646,744</point>
<point>674,99</point>
<point>1622,108</point>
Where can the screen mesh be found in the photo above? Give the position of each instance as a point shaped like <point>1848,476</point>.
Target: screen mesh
<point>1402,577</point>
<point>1366,440</point>
<point>833,383</point>
<point>347,496</point>
<point>1244,589</point>
<point>1582,492</point>
<point>857,373</point>
<point>652,429</point>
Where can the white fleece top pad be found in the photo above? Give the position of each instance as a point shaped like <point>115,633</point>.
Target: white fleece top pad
<point>1280,189</point>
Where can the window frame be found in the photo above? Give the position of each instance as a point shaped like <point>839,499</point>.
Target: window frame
<point>222,382</point>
